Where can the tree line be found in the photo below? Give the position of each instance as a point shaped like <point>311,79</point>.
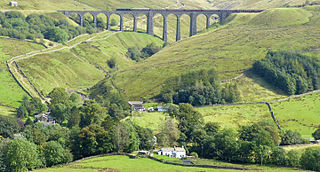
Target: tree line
<point>38,26</point>
<point>291,72</point>
<point>199,88</point>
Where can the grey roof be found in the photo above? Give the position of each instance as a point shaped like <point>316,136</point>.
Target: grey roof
<point>177,149</point>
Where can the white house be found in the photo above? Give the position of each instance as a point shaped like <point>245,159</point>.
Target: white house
<point>175,152</point>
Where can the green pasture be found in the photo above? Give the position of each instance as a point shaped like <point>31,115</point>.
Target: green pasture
<point>10,92</point>
<point>151,120</point>
<point>299,114</point>
<point>6,111</point>
<point>124,164</point>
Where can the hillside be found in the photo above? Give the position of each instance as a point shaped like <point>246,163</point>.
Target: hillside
<point>10,91</point>
<point>83,61</point>
<point>231,49</point>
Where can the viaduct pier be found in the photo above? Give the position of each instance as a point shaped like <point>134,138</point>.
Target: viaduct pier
<point>150,13</point>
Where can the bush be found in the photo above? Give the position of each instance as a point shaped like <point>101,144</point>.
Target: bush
<point>292,158</point>
<point>290,137</point>
<point>8,126</point>
<point>316,134</point>
<point>310,159</point>
<point>194,154</point>
<point>111,63</point>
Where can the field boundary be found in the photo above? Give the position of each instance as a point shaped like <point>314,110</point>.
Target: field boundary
<point>167,162</point>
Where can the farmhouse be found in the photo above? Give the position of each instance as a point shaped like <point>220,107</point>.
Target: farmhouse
<point>13,4</point>
<point>176,152</point>
<point>45,119</point>
<point>136,105</point>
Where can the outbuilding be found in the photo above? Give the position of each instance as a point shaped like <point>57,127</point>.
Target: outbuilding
<point>13,4</point>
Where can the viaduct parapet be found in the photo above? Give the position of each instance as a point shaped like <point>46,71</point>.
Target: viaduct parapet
<point>150,13</point>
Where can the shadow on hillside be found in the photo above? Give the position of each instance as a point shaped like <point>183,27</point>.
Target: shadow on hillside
<point>260,81</point>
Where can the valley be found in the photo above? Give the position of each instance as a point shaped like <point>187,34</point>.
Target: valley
<point>80,78</point>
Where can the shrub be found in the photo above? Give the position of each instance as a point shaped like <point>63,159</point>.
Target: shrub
<point>111,62</point>
<point>310,159</point>
<point>316,134</point>
<point>194,154</point>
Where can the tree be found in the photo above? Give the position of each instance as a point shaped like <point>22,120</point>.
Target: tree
<point>111,62</point>
<point>292,158</point>
<point>58,95</point>
<point>57,34</point>
<point>3,151</point>
<point>145,138</point>
<point>54,153</point>
<point>315,135</point>
<point>8,126</point>
<point>289,137</point>
<point>22,155</point>
<point>74,118</point>
<point>211,128</point>
<point>188,119</point>
<point>310,159</point>
<point>169,133</point>
<point>113,22</point>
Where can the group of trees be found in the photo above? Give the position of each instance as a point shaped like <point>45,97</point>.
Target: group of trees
<point>293,73</point>
<point>38,26</point>
<point>82,129</point>
<point>137,54</point>
<point>255,143</point>
<point>199,88</point>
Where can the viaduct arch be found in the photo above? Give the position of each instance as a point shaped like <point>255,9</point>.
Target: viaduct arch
<point>150,13</point>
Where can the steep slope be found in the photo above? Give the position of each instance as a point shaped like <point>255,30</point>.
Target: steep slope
<point>83,61</point>
<point>10,92</point>
<point>230,49</point>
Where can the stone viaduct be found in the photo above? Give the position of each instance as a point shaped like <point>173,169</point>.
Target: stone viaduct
<point>150,13</point>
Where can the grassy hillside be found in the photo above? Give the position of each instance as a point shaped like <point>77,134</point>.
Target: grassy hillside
<point>300,114</point>
<point>231,49</point>
<point>10,92</point>
<point>82,62</point>
<point>115,163</point>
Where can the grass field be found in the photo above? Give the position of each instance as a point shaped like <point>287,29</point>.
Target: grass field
<point>300,114</point>
<point>149,120</point>
<point>255,89</point>
<point>230,49</point>
<point>301,148</point>
<point>6,111</point>
<point>124,164</point>
<point>10,92</point>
